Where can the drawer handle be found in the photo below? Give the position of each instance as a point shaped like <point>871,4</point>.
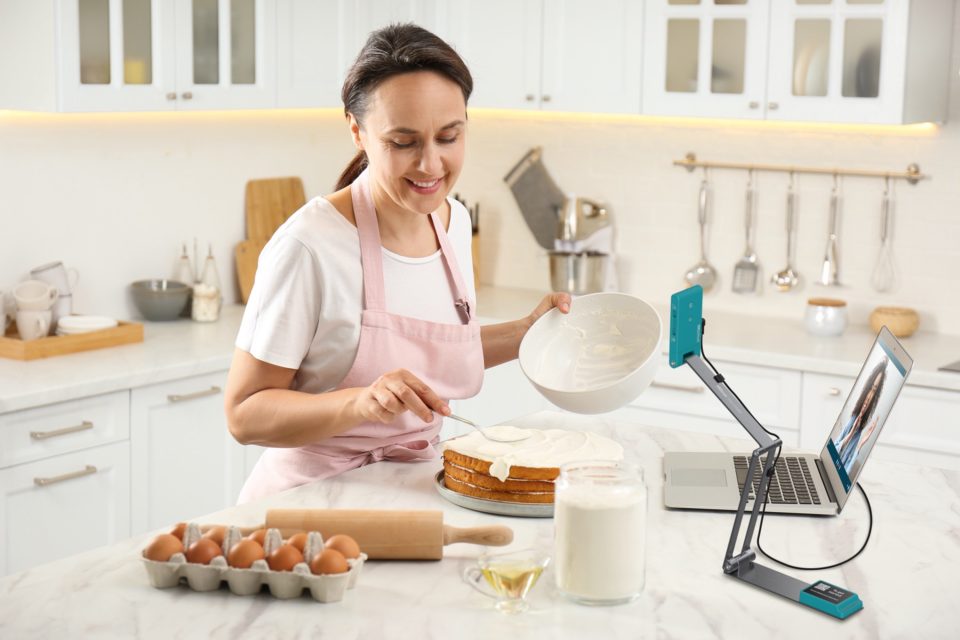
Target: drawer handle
<point>86,471</point>
<point>182,397</point>
<point>834,391</point>
<point>677,387</point>
<point>43,435</point>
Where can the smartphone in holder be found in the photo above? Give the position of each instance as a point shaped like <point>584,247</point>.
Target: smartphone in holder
<point>686,316</point>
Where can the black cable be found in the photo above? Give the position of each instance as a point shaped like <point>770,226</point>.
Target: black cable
<point>763,512</point>
<point>829,566</point>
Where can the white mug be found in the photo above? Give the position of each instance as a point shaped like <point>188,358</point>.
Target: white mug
<point>62,307</point>
<point>56,274</point>
<point>34,295</point>
<point>33,324</point>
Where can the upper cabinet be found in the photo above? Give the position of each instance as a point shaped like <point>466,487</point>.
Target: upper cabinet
<point>862,61</point>
<point>557,55</point>
<point>141,55</point>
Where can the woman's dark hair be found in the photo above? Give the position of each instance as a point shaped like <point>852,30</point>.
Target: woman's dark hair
<point>879,371</point>
<point>391,51</point>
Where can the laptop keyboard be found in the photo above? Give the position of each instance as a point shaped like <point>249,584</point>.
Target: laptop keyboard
<point>791,483</point>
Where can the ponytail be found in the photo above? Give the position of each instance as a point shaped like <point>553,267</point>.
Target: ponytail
<point>353,170</point>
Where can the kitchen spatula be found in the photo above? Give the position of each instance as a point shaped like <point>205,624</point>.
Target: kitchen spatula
<point>746,272</point>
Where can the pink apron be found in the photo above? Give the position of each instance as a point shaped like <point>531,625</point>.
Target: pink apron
<point>447,357</point>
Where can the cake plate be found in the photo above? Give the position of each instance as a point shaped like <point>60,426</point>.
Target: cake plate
<point>497,507</point>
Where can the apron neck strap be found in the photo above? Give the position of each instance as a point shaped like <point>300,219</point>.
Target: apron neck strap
<point>371,252</point>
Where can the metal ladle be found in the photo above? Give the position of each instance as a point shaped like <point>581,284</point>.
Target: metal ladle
<point>703,272</point>
<point>788,278</point>
<point>492,438</point>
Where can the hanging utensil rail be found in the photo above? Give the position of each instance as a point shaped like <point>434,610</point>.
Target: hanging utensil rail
<point>911,175</point>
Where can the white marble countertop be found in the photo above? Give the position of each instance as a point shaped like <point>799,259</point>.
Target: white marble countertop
<point>908,577</point>
<point>172,350</point>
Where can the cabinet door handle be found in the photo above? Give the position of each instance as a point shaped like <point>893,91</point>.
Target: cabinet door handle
<point>833,391</point>
<point>172,95</point>
<point>677,387</point>
<point>773,106</point>
<point>547,98</point>
<point>43,435</point>
<point>530,97</point>
<point>86,471</point>
<point>187,95</point>
<point>753,104</point>
<point>182,397</point>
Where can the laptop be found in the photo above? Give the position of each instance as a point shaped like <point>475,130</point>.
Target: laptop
<point>810,484</point>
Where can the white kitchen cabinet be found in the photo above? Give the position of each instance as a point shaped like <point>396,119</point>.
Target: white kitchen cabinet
<point>705,59</point>
<point>59,506</point>
<point>138,55</point>
<point>592,56</point>
<point>872,61</point>
<point>562,55</point>
<point>678,399</point>
<point>922,428</point>
<point>185,462</point>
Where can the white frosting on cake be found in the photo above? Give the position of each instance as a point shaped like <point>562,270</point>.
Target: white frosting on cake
<point>543,448</point>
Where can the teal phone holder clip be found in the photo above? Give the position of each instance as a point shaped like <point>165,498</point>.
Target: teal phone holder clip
<point>686,334</point>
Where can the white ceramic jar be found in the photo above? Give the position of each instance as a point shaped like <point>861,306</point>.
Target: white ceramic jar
<point>600,514</point>
<point>825,316</point>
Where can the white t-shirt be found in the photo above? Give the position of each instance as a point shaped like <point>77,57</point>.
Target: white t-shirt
<point>305,307</point>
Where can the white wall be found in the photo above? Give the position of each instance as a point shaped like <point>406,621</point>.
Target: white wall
<point>114,195</point>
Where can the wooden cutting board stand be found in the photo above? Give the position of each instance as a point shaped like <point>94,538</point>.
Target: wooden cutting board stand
<point>268,203</point>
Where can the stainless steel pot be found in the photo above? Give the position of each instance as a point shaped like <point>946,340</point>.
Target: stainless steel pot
<point>578,272</point>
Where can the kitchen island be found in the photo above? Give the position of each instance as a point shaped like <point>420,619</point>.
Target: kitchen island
<point>908,577</point>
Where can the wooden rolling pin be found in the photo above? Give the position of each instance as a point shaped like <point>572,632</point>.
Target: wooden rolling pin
<point>388,534</point>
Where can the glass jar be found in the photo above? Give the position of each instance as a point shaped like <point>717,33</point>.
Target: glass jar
<point>600,532</point>
<point>206,293</point>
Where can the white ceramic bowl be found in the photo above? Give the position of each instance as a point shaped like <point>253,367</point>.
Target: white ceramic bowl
<point>597,358</point>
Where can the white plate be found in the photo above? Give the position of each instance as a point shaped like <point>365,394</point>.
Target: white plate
<point>496,507</point>
<point>816,72</point>
<point>68,325</point>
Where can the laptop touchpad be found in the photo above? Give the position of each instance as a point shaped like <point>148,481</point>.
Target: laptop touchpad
<point>698,478</point>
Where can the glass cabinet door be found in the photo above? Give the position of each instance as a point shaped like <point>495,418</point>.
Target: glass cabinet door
<point>705,57</point>
<point>225,56</point>
<point>112,57</point>
<point>836,59</point>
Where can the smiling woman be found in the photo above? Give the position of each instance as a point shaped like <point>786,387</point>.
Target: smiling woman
<point>361,323</point>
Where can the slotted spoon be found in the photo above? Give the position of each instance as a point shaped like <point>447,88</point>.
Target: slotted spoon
<point>747,269</point>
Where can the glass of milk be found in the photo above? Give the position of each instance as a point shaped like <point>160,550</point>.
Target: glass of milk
<point>600,532</point>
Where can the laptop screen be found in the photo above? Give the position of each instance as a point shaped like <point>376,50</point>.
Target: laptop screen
<point>866,409</point>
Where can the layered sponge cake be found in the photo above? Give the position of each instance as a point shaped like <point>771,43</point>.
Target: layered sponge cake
<point>522,471</point>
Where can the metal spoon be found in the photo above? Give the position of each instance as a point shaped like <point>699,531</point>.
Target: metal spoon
<point>703,272</point>
<point>491,438</point>
<point>788,278</point>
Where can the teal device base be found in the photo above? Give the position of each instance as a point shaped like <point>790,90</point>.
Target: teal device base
<point>831,599</point>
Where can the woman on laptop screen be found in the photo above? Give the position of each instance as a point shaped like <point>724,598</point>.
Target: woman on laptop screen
<point>862,421</point>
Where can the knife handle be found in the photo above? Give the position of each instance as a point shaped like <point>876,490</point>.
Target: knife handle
<point>491,536</point>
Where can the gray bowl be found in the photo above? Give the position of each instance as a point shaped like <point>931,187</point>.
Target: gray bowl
<point>160,299</point>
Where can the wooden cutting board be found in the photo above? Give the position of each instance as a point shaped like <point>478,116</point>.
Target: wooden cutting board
<point>247,253</point>
<point>269,202</point>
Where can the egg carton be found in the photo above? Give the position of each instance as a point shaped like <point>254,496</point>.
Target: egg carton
<point>245,582</point>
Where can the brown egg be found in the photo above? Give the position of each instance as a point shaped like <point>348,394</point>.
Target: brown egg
<point>178,530</point>
<point>299,540</point>
<point>329,561</point>
<point>344,544</point>
<point>259,535</point>
<point>203,551</point>
<point>216,534</point>
<point>285,558</point>
<point>243,554</point>
<point>163,547</point>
